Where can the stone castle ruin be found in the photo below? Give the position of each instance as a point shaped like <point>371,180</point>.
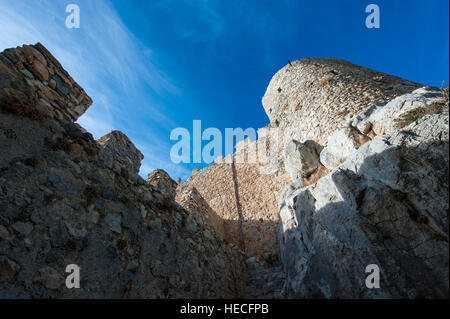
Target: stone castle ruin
<point>360,177</point>
<point>303,103</point>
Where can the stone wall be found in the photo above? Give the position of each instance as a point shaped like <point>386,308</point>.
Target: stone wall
<point>306,100</point>
<point>120,153</point>
<point>258,198</point>
<point>68,199</point>
<point>34,84</point>
<point>189,197</point>
<point>310,98</point>
<point>162,181</point>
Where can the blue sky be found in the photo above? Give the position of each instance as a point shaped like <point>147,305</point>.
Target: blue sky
<point>153,65</point>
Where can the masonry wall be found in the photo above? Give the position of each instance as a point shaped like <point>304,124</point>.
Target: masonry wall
<point>191,200</point>
<point>311,98</point>
<point>34,84</point>
<point>66,198</point>
<point>258,200</point>
<point>306,100</point>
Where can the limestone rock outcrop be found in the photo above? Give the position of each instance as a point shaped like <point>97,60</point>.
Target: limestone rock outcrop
<point>386,204</point>
<point>68,199</point>
<point>383,118</point>
<point>340,145</point>
<point>302,159</point>
<point>378,119</point>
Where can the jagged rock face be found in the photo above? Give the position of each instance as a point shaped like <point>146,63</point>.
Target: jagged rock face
<point>376,120</point>
<point>387,204</point>
<point>162,181</point>
<point>341,144</point>
<point>63,200</point>
<point>313,97</point>
<point>382,118</point>
<point>34,84</point>
<point>302,159</point>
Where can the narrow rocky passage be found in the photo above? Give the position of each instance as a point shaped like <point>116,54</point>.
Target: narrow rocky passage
<point>264,281</point>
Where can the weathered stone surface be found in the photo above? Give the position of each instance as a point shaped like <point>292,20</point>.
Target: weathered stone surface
<point>381,118</point>
<point>340,145</point>
<point>119,152</point>
<point>377,119</point>
<point>24,73</point>
<point>306,101</point>
<point>311,98</point>
<point>264,281</point>
<point>66,198</point>
<point>302,159</point>
<point>8,268</point>
<point>386,205</point>
<point>49,277</point>
<point>162,181</point>
<point>258,196</point>
<point>191,200</point>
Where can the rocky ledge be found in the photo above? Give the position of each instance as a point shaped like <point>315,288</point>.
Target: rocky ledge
<point>383,202</point>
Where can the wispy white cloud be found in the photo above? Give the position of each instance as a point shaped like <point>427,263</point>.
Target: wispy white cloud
<point>107,60</point>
